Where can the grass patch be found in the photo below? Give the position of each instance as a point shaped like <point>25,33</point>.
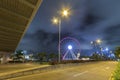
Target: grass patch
<point>116,75</point>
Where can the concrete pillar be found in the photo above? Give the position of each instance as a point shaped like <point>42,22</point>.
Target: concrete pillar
<point>4,57</point>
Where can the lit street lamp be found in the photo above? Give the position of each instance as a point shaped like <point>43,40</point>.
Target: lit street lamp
<point>106,49</point>
<point>98,41</point>
<point>64,13</point>
<point>97,45</point>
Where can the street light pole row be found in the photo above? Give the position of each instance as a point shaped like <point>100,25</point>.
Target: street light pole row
<point>58,21</point>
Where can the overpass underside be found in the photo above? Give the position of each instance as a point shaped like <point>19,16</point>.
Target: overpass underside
<point>15,18</point>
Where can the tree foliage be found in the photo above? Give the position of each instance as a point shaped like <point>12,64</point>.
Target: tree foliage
<point>117,52</point>
<point>42,56</point>
<point>18,56</point>
<point>96,56</point>
<point>53,56</point>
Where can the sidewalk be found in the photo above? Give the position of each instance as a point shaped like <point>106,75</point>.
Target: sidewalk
<point>7,73</point>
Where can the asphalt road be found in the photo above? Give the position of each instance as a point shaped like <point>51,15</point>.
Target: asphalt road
<point>85,71</point>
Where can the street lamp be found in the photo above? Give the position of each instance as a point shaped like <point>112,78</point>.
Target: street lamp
<point>57,20</point>
<point>98,41</point>
<point>97,45</point>
<point>65,12</point>
<point>106,49</point>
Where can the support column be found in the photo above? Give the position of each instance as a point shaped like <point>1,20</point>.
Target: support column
<point>4,57</point>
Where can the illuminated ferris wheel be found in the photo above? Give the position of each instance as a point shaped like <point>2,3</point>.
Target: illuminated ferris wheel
<point>70,49</point>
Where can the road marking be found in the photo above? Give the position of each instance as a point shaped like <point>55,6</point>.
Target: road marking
<point>80,74</point>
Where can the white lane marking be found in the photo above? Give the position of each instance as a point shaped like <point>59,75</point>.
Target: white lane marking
<point>80,74</point>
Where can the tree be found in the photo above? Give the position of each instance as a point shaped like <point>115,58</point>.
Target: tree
<point>117,52</point>
<point>42,56</point>
<point>18,56</point>
<point>53,56</point>
<point>96,56</point>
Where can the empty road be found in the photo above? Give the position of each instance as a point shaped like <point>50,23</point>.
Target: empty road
<point>85,71</point>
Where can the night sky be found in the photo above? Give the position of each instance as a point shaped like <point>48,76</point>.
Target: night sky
<point>89,20</point>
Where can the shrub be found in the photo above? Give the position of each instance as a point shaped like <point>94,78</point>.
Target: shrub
<point>116,75</point>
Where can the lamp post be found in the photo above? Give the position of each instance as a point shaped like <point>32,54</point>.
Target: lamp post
<point>97,45</point>
<point>98,41</point>
<point>64,13</point>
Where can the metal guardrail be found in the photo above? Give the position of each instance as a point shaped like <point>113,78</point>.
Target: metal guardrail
<point>38,70</point>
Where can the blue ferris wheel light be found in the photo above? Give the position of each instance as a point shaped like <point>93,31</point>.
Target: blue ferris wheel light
<point>69,47</point>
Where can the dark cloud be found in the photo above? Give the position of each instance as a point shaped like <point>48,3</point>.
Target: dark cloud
<point>90,19</point>
<point>112,35</point>
<point>40,41</point>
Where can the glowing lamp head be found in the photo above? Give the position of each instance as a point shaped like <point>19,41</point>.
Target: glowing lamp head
<point>69,47</point>
<point>91,42</point>
<point>98,41</point>
<point>106,49</point>
<point>65,12</point>
<point>55,20</point>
